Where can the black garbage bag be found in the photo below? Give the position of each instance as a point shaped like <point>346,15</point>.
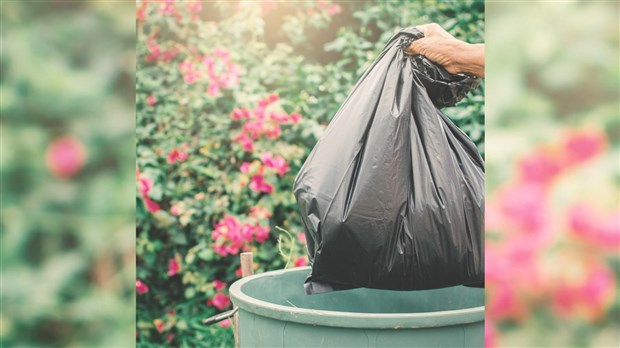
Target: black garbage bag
<point>392,195</point>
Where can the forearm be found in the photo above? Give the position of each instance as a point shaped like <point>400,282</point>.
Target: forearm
<point>470,59</point>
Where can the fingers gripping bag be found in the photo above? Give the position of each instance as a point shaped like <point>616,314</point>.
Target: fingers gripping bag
<point>392,195</point>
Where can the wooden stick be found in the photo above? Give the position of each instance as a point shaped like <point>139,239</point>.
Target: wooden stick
<point>246,270</point>
<point>246,264</point>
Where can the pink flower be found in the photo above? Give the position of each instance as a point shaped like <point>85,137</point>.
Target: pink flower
<point>279,117</point>
<point>141,12</point>
<point>213,89</point>
<point>141,288</point>
<point>159,325</point>
<point>245,141</point>
<point>221,301</point>
<point>168,55</point>
<point>261,233</point>
<point>176,155</point>
<point>173,267</point>
<point>272,130</point>
<point>225,323</point>
<point>245,167</point>
<point>602,232</point>
<point>586,292</point>
<point>65,157</point>
<point>301,261</point>
<point>581,145</point>
<point>194,8</point>
<point>144,186</point>
<point>333,9</point>
<point>154,49</point>
<point>270,99</point>
<point>490,335</point>
<point>301,237</point>
<point>151,205</point>
<point>239,114</point>
<point>523,208</point>
<point>278,163</point>
<point>221,53</point>
<point>219,285</point>
<point>151,100</point>
<point>169,337</point>
<point>190,74</point>
<point>295,117</point>
<point>540,166</point>
<point>259,184</point>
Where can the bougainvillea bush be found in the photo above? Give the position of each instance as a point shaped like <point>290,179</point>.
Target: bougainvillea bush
<point>552,209</point>
<point>231,97</point>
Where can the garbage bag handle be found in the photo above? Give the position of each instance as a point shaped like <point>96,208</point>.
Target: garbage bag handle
<point>410,32</point>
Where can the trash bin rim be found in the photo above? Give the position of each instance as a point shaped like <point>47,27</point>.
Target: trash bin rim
<point>347,319</point>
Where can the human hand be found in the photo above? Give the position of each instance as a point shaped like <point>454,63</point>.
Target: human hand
<point>454,55</point>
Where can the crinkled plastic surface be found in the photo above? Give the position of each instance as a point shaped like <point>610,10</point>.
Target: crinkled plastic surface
<point>392,195</point>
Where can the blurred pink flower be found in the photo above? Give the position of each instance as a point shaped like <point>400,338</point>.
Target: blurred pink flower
<point>176,155</point>
<point>151,205</point>
<point>295,117</point>
<point>272,130</point>
<point>505,302</point>
<point>540,166</point>
<point>151,100</point>
<point>154,49</point>
<point>159,325</point>
<point>523,207</point>
<point>221,301</point>
<point>194,8</point>
<point>239,114</point>
<point>225,323</point>
<point>141,288</point>
<point>329,8</point>
<point>65,156</point>
<point>230,236</point>
<point>259,184</point>
<point>144,185</point>
<point>177,209</point>
<point>213,89</point>
<point>279,116</point>
<point>278,163</point>
<point>169,337</point>
<point>218,285</point>
<point>173,267</point>
<point>261,233</point>
<point>301,261</point>
<point>141,12</point>
<point>169,8</point>
<point>587,291</point>
<point>245,141</point>
<point>301,237</point>
<point>189,72</point>
<point>490,334</point>
<point>582,144</point>
<point>270,99</point>
<point>245,167</point>
<point>594,228</point>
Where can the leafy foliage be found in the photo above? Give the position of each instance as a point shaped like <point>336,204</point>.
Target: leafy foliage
<point>230,101</point>
<point>67,217</point>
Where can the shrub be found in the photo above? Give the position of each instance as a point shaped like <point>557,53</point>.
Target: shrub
<point>230,101</point>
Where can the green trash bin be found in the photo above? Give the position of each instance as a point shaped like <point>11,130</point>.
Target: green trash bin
<point>274,311</point>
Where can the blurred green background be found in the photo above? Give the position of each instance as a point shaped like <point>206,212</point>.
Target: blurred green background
<point>231,98</point>
<point>67,165</point>
<point>553,174</point>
